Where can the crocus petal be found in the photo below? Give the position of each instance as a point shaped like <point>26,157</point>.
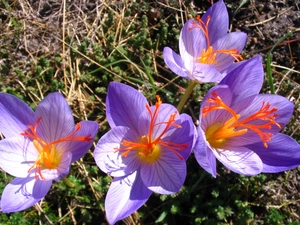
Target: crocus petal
<point>56,118</point>
<point>41,188</point>
<point>233,40</point>
<point>17,195</point>
<point>166,175</point>
<point>191,42</point>
<point>125,196</point>
<point>17,155</point>
<point>283,153</point>
<point>16,114</point>
<point>205,73</point>
<point>163,116</point>
<point>248,72</point>
<point>185,135</point>
<point>219,21</point>
<point>284,108</point>
<point>109,160</point>
<point>124,104</point>
<point>204,154</point>
<point>243,161</point>
<point>79,148</point>
<point>216,116</point>
<point>177,65</point>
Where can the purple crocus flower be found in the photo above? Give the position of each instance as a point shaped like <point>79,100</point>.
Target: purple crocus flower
<point>206,49</point>
<point>39,147</point>
<point>239,127</point>
<point>145,150</point>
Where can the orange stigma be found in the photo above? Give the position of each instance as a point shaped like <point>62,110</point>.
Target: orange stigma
<point>49,157</point>
<point>217,134</point>
<point>148,148</point>
<point>208,56</point>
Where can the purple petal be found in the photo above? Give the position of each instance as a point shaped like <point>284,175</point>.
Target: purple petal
<point>17,195</point>
<point>192,41</point>
<point>125,196</point>
<point>248,72</point>
<point>41,188</point>
<point>79,148</point>
<point>163,116</point>
<point>216,116</point>
<point>283,153</point>
<point>177,65</point>
<point>250,137</point>
<point>233,40</point>
<point>243,161</point>
<point>124,104</point>
<point>185,135</point>
<point>205,73</point>
<point>17,156</point>
<point>284,109</point>
<point>56,118</point>
<point>204,154</point>
<point>109,160</point>
<point>15,115</point>
<point>219,21</point>
<point>166,175</point>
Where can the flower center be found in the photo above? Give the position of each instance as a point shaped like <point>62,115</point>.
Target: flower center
<point>217,134</point>
<point>49,156</point>
<point>148,148</point>
<point>208,56</point>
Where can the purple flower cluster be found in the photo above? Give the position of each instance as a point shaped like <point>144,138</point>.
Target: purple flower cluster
<point>146,149</point>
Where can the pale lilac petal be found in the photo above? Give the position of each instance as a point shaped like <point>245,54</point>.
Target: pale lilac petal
<point>61,171</point>
<point>283,153</point>
<point>124,104</point>
<point>185,135</point>
<point>125,196</point>
<point>204,155</point>
<point>41,188</point>
<point>205,73</point>
<point>233,66</point>
<point>216,116</point>
<point>233,40</point>
<point>219,21</point>
<point>187,67</point>
<point>163,116</point>
<point>17,195</point>
<point>56,118</point>
<point>243,161</point>
<point>284,109</point>
<point>17,156</point>
<point>109,160</point>
<point>248,72</point>
<point>166,175</point>
<point>16,114</point>
<point>191,42</point>
<point>79,148</point>
<point>250,137</point>
<point>177,65</point>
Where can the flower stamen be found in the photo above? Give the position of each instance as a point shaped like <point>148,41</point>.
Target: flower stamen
<point>208,56</point>
<point>148,148</point>
<point>263,119</point>
<point>49,156</point>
